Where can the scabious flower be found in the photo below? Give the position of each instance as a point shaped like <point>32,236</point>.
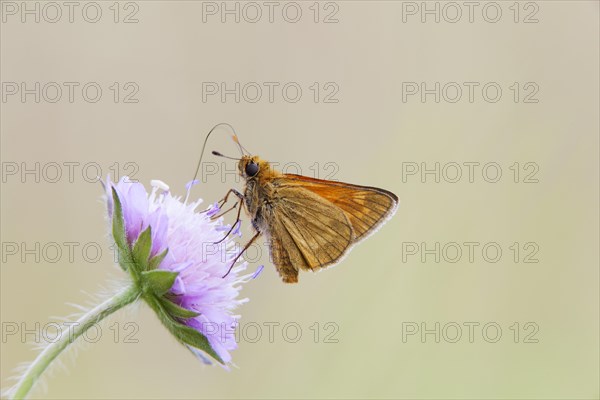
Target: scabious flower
<point>192,296</point>
<point>176,265</point>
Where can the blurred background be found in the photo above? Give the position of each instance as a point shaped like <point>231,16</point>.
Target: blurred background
<point>482,118</point>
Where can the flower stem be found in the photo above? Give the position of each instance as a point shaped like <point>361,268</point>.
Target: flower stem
<point>52,350</point>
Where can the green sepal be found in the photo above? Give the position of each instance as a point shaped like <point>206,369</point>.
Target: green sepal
<point>158,281</point>
<point>119,235</point>
<point>183,333</point>
<point>141,249</point>
<point>156,260</point>
<point>125,260</point>
<point>194,338</point>
<point>177,311</point>
<point>118,224</point>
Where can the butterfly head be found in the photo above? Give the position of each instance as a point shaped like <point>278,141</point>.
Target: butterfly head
<point>252,166</point>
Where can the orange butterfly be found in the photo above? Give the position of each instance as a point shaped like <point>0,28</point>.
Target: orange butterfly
<point>309,223</point>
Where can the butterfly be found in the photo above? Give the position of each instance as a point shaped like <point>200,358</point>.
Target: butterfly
<point>309,223</point>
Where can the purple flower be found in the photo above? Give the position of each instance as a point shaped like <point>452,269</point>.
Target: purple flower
<point>258,271</point>
<point>189,237</point>
<point>213,210</point>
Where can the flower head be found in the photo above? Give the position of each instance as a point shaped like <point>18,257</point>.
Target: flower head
<point>168,239</point>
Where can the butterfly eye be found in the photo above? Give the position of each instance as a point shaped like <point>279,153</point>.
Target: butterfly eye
<point>251,168</point>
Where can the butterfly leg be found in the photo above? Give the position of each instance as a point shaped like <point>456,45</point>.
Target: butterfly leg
<point>242,252</point>
<point>224,212</point>
<point>237,219</point>
<point>224,199</point>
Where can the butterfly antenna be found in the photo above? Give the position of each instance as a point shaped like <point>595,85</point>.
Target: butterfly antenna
<point>216,153</point>
<point>235,139</point>
<point>242,148</point>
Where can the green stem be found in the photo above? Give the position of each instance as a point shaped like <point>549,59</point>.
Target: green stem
<point>52,350</point>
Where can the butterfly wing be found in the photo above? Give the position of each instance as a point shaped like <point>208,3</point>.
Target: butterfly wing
<point>313,223</point>
<point>306,232</point>
<point>366,207</point>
